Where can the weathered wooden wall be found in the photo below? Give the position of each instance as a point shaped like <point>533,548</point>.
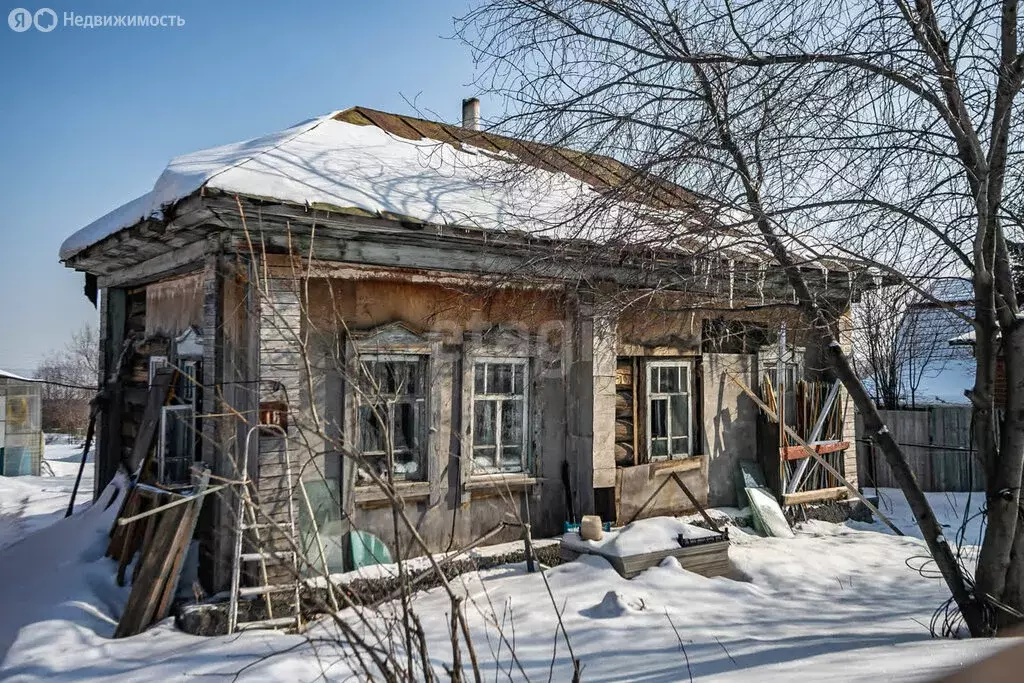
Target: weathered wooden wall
<point>937,444</point>
<point>447,510</point>
<point>174,305</point>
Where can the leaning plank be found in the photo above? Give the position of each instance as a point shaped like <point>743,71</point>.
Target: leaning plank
<point>118,534</point>
<point>815,496</point>
<point>148,580</point>
<point>150,419</point>
<point>810,451</point>
<point>700,508</point>
<point>135,537</point>
<point>182,542</point>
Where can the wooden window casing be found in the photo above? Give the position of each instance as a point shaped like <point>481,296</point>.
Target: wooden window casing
<point>501,415</point>
<point>669,403</point>
<point>391,405</point>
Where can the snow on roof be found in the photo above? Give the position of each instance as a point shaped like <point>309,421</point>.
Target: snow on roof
<point>10,375</point>
<point>389,170</point>
<point>945,383</point>
<point>965,339</point>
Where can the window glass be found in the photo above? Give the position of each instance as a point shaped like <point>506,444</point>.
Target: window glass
<point>499,416</point>
<point>391,413</point>
<point>669,413</point>
<point>177,445</point>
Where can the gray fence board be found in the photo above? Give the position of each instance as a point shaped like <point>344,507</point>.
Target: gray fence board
<point>937,444</point>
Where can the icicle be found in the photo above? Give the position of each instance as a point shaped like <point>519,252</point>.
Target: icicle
<point>824,274</point>
<point>762,270</point>
<point>732,280</point>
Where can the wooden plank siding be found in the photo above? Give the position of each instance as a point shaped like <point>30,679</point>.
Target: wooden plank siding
<point>937,445</point>
<point>280,362</point>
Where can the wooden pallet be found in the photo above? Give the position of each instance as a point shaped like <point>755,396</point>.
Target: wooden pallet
<point>707,559</point>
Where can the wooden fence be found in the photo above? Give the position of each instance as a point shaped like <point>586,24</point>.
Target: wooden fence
<point>937,443</point>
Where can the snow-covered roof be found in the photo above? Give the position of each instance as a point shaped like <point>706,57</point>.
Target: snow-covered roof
<point>945,383</point>
<point>391,166</point>
<point>10,375</point>
<point>965,339</point>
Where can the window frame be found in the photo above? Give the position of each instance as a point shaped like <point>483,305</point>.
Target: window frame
<point>358,398</point>
<point>650,395</point>
<point>155,363</point>
<point>525,457</point>
<point>162,449</point>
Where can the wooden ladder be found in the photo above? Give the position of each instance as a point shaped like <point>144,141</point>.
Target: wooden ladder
<point>251,527</point>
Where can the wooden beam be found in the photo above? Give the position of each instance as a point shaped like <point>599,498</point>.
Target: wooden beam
<point>816,496</point>
<point>799,453</point>
<point>185,259</point>
<point>114,317</point>
<point>150,420</point>
<point>285,266</point>
<point>700,508</point>
<point>810,451</point>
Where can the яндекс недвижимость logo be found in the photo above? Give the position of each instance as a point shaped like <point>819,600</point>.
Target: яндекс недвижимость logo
<point>21,19</point>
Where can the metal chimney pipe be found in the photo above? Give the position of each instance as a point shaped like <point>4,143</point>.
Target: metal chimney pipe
<point>471,113</point>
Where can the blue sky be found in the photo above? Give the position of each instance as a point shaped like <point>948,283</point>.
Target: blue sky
<point>91,116</point>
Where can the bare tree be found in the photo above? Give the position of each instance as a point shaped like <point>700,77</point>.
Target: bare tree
<point>883,132</point>
<point>880,348</point>
<point>69,373</point>
<point>901,338</point>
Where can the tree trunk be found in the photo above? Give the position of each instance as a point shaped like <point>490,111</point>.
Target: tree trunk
<point>1011,459</point>
<point>931,530</point>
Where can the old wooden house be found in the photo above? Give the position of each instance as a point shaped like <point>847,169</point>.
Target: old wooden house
<point>372,296</point>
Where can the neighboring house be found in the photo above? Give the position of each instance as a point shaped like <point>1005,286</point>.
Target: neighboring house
<point>933,371</point>
<point>21,435</point>
<point>367,279</point>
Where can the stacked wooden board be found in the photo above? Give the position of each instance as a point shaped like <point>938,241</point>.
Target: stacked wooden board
<point>158,526</point>
<point>707,556</point>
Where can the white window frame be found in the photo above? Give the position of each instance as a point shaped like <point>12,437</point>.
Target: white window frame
<point>524,458</point>
<point>162,450</point>
<point>651,395</point>
<point>155,363</point>
<point>359,400</point>
<point>188,375</point>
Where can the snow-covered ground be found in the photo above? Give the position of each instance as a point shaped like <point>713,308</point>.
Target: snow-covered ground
<point>837,603</point>
<point>31,503</point>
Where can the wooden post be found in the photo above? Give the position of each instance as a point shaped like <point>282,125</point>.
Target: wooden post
<point>113,312</point>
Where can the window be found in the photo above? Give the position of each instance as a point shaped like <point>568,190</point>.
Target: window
<point>177,445</point>
<point>669,426</point>
<point>392,411</point>
<point>188,381</point>
<point>499,416</point>
<point>176,448</point>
